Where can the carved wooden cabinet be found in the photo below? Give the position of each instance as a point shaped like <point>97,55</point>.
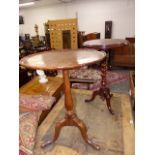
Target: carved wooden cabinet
<point>63,33</point>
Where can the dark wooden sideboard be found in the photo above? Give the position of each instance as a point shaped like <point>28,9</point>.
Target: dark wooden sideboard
<point>124,56</point>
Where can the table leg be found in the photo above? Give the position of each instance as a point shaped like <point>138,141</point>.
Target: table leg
<point>70,118</point>
<point>109,61</point>
<point>108,57</point>
<point>104,91</point>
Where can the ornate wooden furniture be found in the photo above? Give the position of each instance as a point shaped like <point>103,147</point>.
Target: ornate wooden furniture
<point>47,35</point>
<point>93,76</point>
<point>107,45</point>
<point>125,55</point>
<point>23,76</point>
<point>63,33</point>
<point>103,91</point>
<point>27,45</point>
<point>30,109</point>
<point>53,87</point>
<point>82,37</point>
<point>38,43</point>
<point>65,61</point>
<point>91,36</point>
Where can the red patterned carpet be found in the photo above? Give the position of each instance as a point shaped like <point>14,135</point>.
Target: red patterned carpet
<point>113,77</point>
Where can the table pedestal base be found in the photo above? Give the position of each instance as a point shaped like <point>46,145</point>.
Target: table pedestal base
<point>104,93</point>
<point>71,120</point>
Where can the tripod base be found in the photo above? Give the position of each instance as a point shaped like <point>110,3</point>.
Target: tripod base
<point>71,120</point>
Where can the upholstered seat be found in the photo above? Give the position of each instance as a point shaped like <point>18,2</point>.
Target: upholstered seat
<point>85,78</point>
<point>30,110</point>
<point>87,74</point>
<point>35,102</point>
<point>95,79</point>
<point>91,78</point>
<point>27,132</point>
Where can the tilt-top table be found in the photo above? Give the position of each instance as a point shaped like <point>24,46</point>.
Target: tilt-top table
<point>106,45</point>
<point>60,60</point>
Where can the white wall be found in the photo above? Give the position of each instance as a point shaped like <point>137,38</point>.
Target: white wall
<point>91,15</point>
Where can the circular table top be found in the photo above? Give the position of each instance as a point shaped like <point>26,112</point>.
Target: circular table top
<point>105,43</point>
<point>67,59</point>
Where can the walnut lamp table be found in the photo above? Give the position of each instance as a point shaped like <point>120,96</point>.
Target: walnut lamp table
<point>106,45</point>
<point>60,60</point>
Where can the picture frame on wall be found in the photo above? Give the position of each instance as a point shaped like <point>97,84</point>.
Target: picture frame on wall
<point>108,29</point>
<point>21,20</point>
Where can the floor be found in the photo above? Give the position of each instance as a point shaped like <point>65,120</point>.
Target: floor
<point>110,145</point>
<point>122,86</point>
<point>119,137</point>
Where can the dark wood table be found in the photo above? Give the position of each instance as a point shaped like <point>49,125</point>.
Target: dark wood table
<point>106,45</point>
<point>60,60</point>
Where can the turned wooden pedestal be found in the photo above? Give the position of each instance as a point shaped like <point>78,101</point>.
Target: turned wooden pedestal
<point>104,91</point>
<point>70,119</point>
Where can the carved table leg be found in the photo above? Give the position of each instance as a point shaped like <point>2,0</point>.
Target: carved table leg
<point>109,63</point>
<point>108,57</point>
<point>105,94</point>
<point>70,119</point>
<point>58,127</point>
<point>95,93</point>
<point>104,91</point>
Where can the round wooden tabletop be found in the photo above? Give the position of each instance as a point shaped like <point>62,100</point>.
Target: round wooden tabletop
<point>105,43</point>
<point>67,59</point>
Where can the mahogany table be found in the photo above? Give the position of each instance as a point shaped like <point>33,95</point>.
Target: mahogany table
<point>106,45</point>
<point>65,61</point>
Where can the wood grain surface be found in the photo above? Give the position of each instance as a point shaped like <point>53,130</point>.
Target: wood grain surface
<point>65,59</point>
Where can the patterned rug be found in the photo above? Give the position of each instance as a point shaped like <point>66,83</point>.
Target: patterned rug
<point>113,78</point>
<point>114,133</point>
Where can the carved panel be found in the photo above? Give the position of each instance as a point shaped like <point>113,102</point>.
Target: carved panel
<point>57,35</point>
